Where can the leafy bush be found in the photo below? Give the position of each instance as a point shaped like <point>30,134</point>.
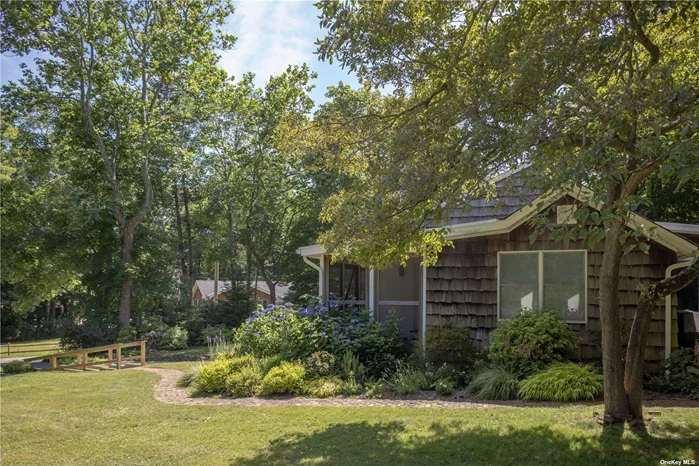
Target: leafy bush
<point>288,377</point>
<point>377,389</point>
<point>324,387</point>
<point>350,387</point>
<point>351,368</point>
<point>127,334</point>
<point>87,334</point>
<point>532,339</point>
<point>562,382</point>
<point>17,367</point>
<point>445,344</point>
<point>682,373</point>
<point>266,364</point>
<point>177,338</point>
<point>161,337</point>
<point>212,376</point>
<point>444,387</point>
<point>296,334</point>
<point>226,314</point>
<point>406,379</point>
<point>319,364</point>
<point>245,381</point>
<point>495,383</point>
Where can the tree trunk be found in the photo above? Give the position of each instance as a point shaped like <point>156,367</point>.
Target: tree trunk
<point>180,240</point>
<point>127,258</point>
<point>616,407</point>
<point>270,284</point>
<point>189,233</point>
<point>635,351</point>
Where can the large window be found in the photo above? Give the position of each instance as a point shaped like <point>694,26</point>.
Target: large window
<point>347,283</point>
<point>551,279</point>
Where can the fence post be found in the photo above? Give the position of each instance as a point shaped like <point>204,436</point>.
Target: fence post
<point>110,354</point>
<point>118,351</point>
<point>84,360</point>
<point>143,352</point>
<point>8,349</point>
<point>52,362</point>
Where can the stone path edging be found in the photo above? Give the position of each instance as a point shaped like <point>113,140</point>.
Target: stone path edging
<point>167,392</point>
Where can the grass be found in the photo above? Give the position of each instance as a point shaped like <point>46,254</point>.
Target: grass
<point>193,351</point>
<point>51,347</point>
<point>111,418</point>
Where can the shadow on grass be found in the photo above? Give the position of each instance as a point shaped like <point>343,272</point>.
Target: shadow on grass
<point>456,442</point>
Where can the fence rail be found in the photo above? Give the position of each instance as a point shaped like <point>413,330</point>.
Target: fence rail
<point>114,357</point>
<point>19,348</point>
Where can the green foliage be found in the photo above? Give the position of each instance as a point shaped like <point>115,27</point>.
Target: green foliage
<point>350,387</point>
<point>162,337</point>
<point>406,379</point>
<point>127,334</point>
<point>17,367</point>
<point>444,387</point>
<point>212,331</point>
<point>295,334</point>
<point>266,364</point>
<point>324,387</point>
<point>212,377</point>
<point>86,335</point>
<point>532,339</point>
<point>211,318</point>
<point>319,364</point>
<point>684,362</point>
<point>562,382</point>
<point>450,345</point>
<point>288,377</point>
<point>351,368</point>
<point>244,381</point>
<point>682,373</point>
<point>377,389</point>
<point>189,378</point>
<point>495,382</point>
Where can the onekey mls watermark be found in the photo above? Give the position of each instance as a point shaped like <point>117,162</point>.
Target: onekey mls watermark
<point>678,462</point>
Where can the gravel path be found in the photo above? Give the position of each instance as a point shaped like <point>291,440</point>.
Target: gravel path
<point>167,392</point>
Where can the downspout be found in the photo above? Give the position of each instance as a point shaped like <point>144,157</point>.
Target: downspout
<point>319,268</point>
<point>668,307</point>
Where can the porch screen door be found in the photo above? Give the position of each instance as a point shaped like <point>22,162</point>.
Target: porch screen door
<point>399,290</point>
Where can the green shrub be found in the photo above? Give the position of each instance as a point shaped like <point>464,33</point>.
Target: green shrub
<point>17,367</point>
<point>127,334</point>
<point>296,334</point>
<point>377,389</point>
<point>177,338</point>
<point>350,387</point>
<point>244,381</point>
<point>212,376</point>
<point>319,364</point>
<point>406,379</point>
<point>266,364</point>
<point>444,387</point>
<point>87,334</point>
<point>288,377</point>
<point>495,383</point>
<point>562,382</point>
<point>351,368</point>
<point>161,337</point>
<point>682,374</point>
<point>531,340</point>
<point>445,344</point>
<point>324,387</point>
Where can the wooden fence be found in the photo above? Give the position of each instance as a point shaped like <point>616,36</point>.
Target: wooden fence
<point>20,348</point>
<point>114,358</point>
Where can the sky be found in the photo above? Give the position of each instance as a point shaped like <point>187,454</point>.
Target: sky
<point>271,36</point>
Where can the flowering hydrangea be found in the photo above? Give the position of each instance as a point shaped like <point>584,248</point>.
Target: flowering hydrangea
<point>296,333</point>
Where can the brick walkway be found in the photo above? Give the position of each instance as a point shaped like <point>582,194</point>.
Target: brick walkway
<point>167,392</point>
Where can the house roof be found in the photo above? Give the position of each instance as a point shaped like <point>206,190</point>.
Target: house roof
<point>482,218</point>
<point>206,287</point>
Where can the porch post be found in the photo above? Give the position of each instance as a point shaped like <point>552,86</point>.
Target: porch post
<point>423,302</point>
<point>372,291</point>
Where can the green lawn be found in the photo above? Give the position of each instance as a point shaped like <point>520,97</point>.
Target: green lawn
<point>49,346</point>
<point>112,418</point>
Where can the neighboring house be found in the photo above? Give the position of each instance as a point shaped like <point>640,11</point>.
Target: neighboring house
<point>203,290</point>
<point>493,270</point>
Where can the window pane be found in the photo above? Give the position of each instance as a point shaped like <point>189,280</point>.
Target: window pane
<point>564,283</point>
<point>519,269</point>
<point>519,283</point>
<point>350,282</point>
<point>515,297</point>
<point>335,286</point>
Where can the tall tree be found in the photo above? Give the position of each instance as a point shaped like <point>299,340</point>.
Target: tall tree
<point>123,67</point>
<point>592,94</point>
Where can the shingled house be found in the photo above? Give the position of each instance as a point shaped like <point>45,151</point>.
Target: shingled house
<point>493,270</point>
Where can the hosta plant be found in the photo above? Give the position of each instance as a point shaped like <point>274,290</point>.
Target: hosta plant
<point>562,382</point>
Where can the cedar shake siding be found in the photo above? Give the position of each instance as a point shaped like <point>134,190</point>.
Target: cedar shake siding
<point>462,288</point>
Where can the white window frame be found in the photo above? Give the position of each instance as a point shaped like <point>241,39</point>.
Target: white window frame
<point>541,278</point>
